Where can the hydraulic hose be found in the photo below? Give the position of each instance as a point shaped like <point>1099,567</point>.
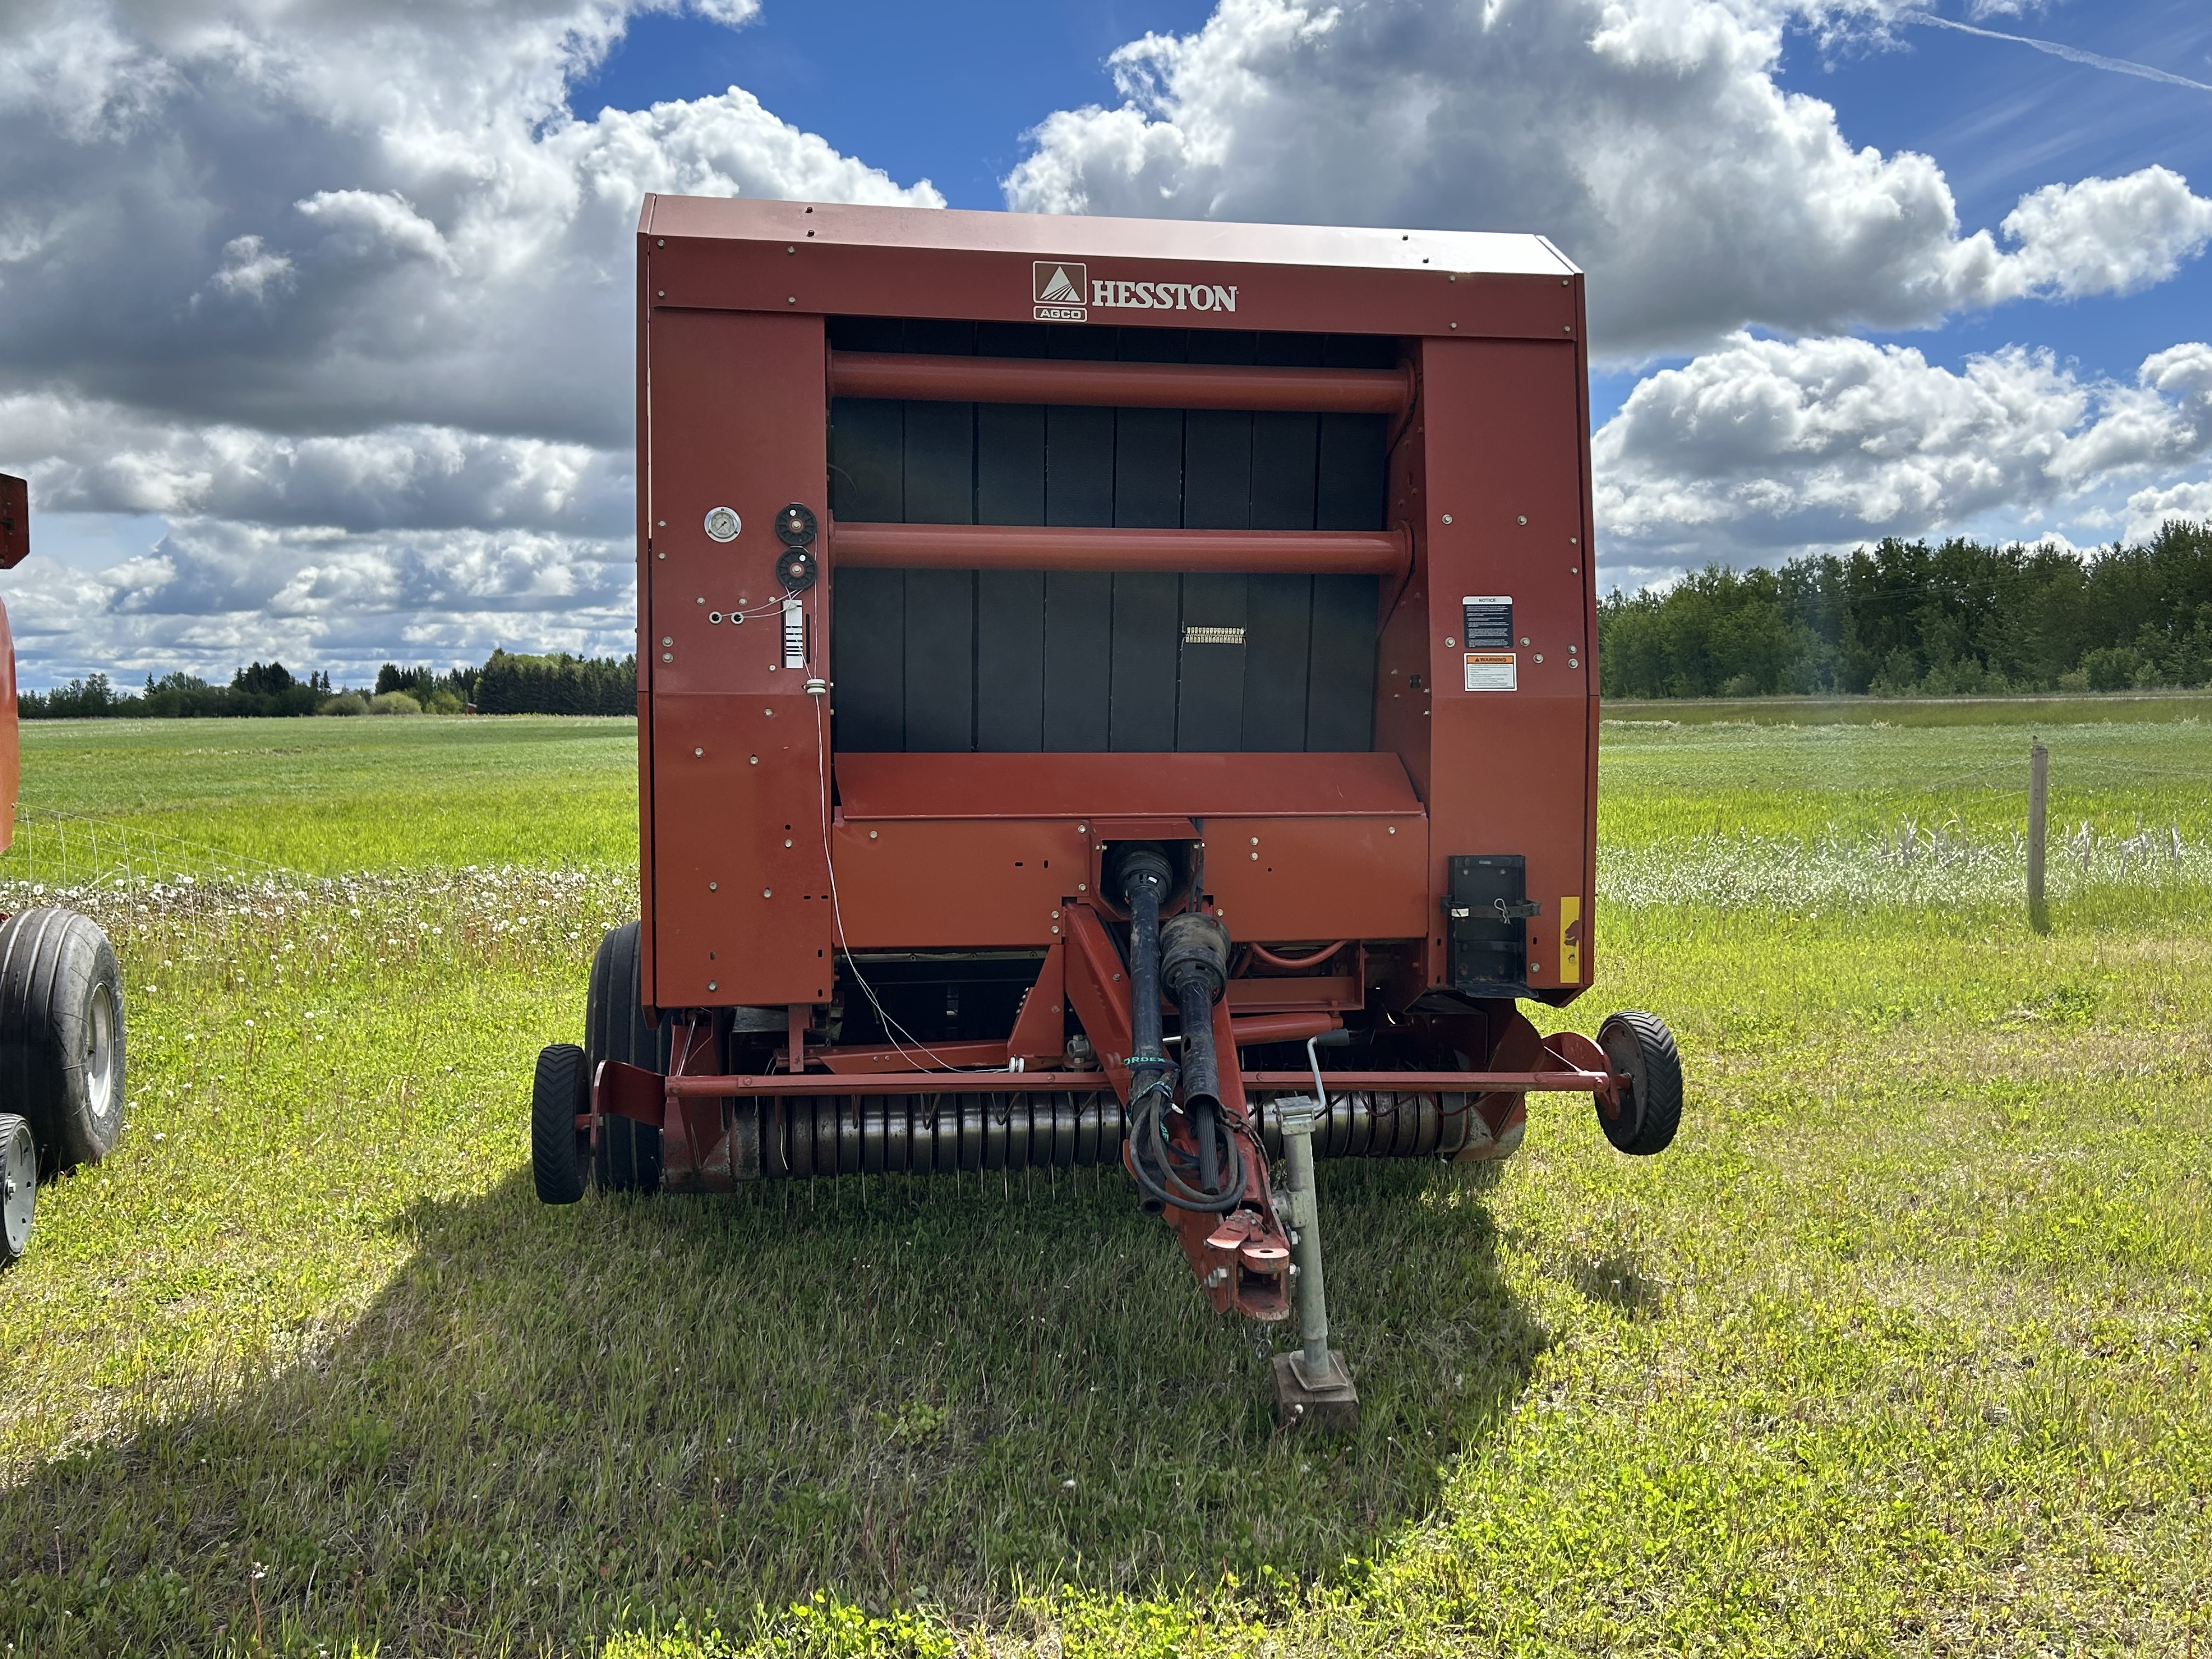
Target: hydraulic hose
<point>1194,962</point>
<point>1143,876</point>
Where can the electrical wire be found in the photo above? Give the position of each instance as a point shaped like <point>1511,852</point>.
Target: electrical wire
<point>892,1029</point>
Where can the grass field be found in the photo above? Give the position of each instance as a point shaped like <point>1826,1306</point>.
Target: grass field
<point>1905,1347</point>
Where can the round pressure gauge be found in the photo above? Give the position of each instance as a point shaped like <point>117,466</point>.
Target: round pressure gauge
<point>723,525</point>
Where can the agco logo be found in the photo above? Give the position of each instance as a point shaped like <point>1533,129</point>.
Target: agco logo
<point>1061,288</point>
<point>1064,293</point>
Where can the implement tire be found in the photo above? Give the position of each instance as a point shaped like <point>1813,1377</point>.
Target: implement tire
<point>615,1029</point>
<point>19,1187</point>
<point>560,1153</point>
<point>61,1035</point>
<point>1640,1045</point>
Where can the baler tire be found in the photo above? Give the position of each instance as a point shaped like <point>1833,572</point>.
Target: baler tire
<point>1640,1045</point>
<point>19,1187</point>
<point>615,1029</point>
<point>62,1051</point>
<point>559,1156</point>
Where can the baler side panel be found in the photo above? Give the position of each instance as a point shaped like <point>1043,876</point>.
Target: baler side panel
<point>645,552</point>
<point>738,882</point>
<point>1504,440</point>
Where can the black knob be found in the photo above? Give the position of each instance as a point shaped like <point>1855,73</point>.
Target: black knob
<point>794,525</point>
<point>795,567</point>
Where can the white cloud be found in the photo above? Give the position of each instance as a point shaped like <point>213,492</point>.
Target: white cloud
<point>2149,508</point>
<point>1647,137</point>
<point>213,592</point>
<point>287,269</point>
<point>1767,447</point>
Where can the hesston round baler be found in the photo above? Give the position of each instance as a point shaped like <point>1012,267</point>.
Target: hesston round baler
<point>1111,692</point>
<point>62,1082</point>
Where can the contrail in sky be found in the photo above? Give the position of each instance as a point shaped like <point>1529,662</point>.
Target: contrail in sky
<point>2072,54</point>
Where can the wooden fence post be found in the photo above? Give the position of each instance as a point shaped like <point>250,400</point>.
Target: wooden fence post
<point>2038,799</point>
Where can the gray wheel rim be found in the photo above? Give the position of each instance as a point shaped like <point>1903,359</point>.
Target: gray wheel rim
<point>18,1185</point>
<point>100,1055</point>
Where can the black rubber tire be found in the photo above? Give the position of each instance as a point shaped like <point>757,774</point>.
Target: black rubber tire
<point>615,1029</point>
<point>62,1047</point>
<point>1640,1045</point>
<point>559,1156</point>
<point>19,1187</point>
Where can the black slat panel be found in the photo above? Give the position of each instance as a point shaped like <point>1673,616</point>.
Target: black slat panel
<point>1079,662</point>
<point>1340,677</point>
<point>1148,468</point>
<point>867,657</point>
<point>1079,342</point>
<point>940,336</point>
<point>867,463</point>
<point>941,463</point>
<point>1011,340</point>
<point>1010,463</point>
<point>867,333</point>
<point>1353,484</point>
<point>1078,480</point>
<point>1278,646</point>
<point>1015,661</point>
<point>1284,449</point>
<point>1209,698</point>
<point>1010,660</point>
<point>1359,351</point>
<point>941,659</point>
<point>1153,345</point>
<point>1290,351</point>
<point>1216,470</point>
<point>1142,702</point>
<point>1210,345</point>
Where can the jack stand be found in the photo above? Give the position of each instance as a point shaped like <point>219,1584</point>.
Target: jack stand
<point>1314,1385</point>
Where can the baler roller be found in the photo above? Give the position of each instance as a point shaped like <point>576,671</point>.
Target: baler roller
<point>807,1136</point>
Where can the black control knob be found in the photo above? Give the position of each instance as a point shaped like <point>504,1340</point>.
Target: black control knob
<point>796,568</point>
<point>795,525</point>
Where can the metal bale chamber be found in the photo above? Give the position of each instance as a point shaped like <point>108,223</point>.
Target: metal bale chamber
<point>1110,692</point>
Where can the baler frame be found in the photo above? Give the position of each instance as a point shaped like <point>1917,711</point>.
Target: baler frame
<point>1061,583</point>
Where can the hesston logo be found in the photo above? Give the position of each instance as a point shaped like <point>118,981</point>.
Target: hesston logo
<point>1064,293</point>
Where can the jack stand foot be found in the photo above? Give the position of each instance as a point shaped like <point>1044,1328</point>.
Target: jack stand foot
<point>1329,1404</point>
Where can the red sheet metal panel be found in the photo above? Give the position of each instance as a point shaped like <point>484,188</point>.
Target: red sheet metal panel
<point>1024,547</point>
<point>736,875</point>
<point>1314,877</point>
<point>982,883</point>
<point>1118,385</point>
<point>14,522</point>
<point>1133,786</point>
<point>1506,770</point>
<point>800,258</point>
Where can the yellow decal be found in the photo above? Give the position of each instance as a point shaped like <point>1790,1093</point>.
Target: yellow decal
<point>1571,939</point>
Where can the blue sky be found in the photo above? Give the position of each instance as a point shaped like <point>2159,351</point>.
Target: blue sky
<point>276,286</point>
<point>948,93</point>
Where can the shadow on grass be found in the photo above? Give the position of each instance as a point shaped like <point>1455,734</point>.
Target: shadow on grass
<point>552,1423</point>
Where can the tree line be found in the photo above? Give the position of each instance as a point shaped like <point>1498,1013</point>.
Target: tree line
<point>509,682</point>
<point>1903,618</point>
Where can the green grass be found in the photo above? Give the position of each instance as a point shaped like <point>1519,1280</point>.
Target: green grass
<point>331,797</point>
<point>2048,710</point>
<point>1905,1347</point>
